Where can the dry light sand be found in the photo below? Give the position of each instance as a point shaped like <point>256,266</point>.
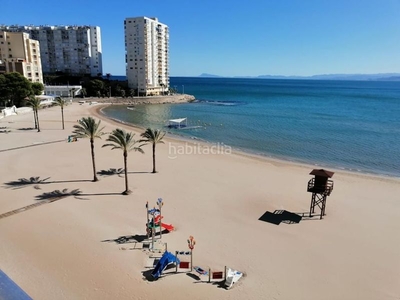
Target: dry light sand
<point>67,249</point>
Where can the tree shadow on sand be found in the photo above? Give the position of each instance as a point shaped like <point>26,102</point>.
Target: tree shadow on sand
<point>23,182</point>
<point>27,128</point>
<point>111,171</point>
<point>56,194</point>
<point>59,194</point>
<point>36,181</point>
<point>120,172</point>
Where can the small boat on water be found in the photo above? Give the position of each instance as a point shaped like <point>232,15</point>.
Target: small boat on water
<point>131,107</point>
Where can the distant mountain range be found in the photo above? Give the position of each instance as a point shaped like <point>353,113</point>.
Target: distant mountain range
<point>379,76</point>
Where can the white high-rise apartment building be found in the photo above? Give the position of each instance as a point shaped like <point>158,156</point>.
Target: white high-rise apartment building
<point>19,53</point>
<point>74,50</point>
<point>146,55</point>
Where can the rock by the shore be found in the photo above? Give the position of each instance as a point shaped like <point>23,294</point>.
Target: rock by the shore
<point>177,98</point>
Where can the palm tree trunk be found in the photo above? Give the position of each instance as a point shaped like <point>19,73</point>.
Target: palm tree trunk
<point>93,162</point>
<point>154,158</point>
<point>37,120</point>
<point>62,116</point>
<point>127,191</point>
<point>34,117</point>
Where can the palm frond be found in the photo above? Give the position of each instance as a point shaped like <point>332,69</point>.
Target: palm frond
<point>114,146</point>
<point>88,128</point>
<point>34,102</point>
<point>153,136</point>
<point>60,101</point>
<point>120,139</point>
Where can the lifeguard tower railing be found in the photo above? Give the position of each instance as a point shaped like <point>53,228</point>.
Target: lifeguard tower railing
<point>320,188</point>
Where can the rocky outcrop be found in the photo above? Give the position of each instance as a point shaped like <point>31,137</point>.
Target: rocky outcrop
<point>178,98</point>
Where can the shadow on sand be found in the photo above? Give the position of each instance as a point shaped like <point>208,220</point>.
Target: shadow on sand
<point>35,180</point>
<point>27,128</point>
<point>23,182</point>
<point>59,194</point>
<point>111,172</point>
<point>283,216</point>
<point>148,277</point>
<point>219,284</point>
<point>128,239</point>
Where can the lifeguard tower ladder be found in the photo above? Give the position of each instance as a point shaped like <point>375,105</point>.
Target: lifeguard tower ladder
<point>320,187</point>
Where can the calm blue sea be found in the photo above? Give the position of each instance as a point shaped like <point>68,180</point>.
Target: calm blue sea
<point>351,125</point>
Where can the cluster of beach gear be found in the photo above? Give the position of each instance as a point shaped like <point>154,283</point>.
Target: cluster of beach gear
<point>181,261</point>
<point>228,277</point>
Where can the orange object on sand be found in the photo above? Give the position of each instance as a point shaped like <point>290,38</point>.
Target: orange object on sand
<point>168,227</point>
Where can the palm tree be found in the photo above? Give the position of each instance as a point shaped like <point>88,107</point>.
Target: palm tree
<point>35,104</point>
<point>153,137</point>
<point>83,92</point>
<point>61,102</point>
<point>88,128</point>
<point>120,139</point>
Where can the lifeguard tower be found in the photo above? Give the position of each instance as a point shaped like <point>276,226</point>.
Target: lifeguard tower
<point>321,187</point>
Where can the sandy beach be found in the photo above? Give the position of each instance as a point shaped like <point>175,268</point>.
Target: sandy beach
<point>69,248</point>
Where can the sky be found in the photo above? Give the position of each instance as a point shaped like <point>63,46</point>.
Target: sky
<point>240,38</point>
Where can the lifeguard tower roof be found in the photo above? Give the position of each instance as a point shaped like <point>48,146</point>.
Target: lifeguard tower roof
<point>322,173</point>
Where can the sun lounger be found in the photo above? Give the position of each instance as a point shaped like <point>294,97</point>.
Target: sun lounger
<point>232,276</point>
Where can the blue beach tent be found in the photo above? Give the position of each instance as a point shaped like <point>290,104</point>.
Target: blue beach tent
<point>165,260</point>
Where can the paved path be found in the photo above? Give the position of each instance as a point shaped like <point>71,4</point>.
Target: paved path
<point>15,211</point>
<point>38,144</point>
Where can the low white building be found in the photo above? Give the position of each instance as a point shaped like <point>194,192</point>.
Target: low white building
<point>46,100</point>
<point>62,90</point>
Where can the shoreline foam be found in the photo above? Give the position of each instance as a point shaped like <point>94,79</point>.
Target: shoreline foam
<point>98,111</point>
